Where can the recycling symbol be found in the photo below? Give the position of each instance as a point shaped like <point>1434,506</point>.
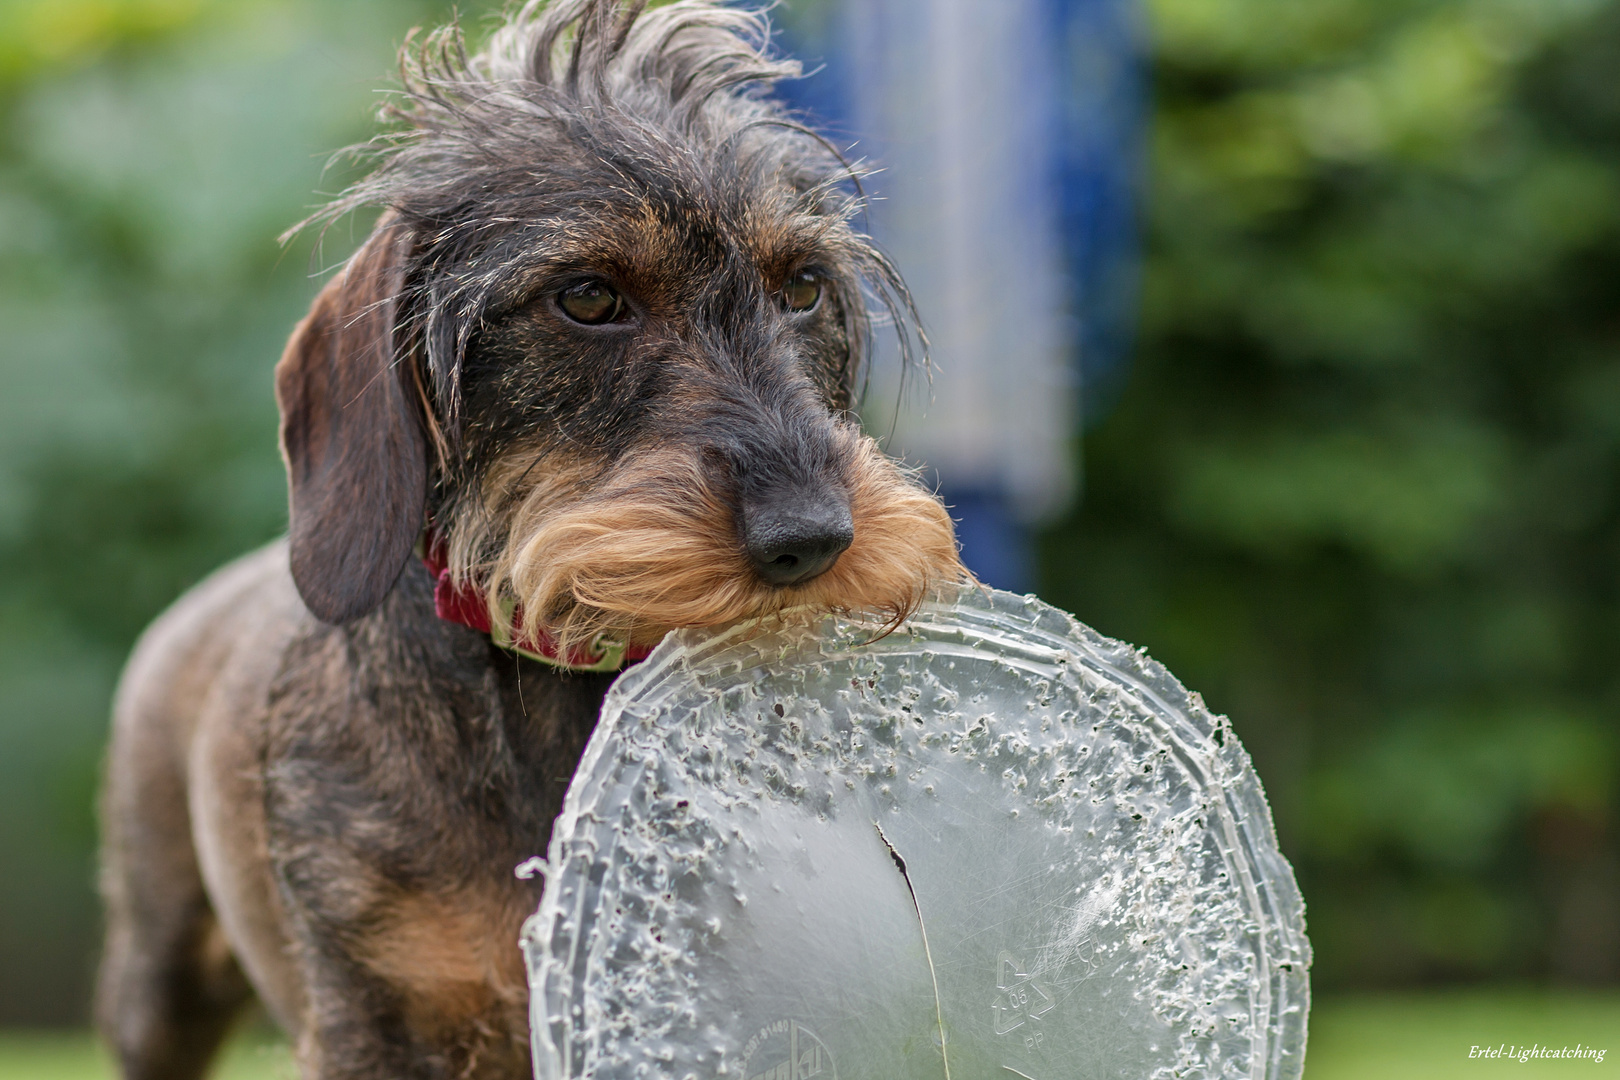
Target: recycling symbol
<point>1020,999</point>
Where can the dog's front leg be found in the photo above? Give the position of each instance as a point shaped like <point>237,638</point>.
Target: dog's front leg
<point>353,1029</point>
<point>396,877</point>
<point>406,983</point>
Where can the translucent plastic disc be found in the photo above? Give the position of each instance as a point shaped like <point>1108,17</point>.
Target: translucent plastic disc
<point>993,844</point>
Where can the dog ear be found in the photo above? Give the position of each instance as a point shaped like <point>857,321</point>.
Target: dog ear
<point>352,436</point>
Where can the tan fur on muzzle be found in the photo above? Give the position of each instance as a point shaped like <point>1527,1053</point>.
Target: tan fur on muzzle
<point>650,546</point>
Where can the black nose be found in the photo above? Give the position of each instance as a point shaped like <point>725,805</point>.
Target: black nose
<point>791,542</point>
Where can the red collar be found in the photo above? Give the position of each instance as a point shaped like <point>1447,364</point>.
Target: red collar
<point>468,607</point>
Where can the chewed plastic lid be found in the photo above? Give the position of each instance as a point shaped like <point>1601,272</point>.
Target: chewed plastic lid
<point>993,844</point>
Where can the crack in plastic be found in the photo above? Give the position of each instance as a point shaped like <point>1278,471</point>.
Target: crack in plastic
<point>922,927</point>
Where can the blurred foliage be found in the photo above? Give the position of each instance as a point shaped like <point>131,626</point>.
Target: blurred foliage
<point>1362,488</point>
<point>151,151</point>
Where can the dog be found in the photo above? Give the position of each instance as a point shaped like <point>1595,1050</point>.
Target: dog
<point>589,379</point>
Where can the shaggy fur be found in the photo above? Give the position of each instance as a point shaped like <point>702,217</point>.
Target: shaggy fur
<point>316,789</point>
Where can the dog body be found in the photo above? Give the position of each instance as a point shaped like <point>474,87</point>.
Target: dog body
<point>596,359</point>
<point>334,812</point>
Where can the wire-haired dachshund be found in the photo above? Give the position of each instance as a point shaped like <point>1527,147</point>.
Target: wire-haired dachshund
<point>589,378</point>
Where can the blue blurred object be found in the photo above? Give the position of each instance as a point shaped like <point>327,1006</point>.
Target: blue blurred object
<point>1097,158</point>
<point>1006,137</point>
<point>995,543</point>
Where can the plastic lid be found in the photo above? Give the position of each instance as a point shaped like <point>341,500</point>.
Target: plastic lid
<point>992,844</point>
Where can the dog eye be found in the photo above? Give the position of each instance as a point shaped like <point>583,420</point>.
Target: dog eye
<point>592,303</point>
<point>802,292</point>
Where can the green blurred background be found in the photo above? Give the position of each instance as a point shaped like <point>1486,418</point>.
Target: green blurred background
<point>1361,489</point>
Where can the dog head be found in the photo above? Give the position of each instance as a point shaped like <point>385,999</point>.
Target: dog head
<point>606,335</point>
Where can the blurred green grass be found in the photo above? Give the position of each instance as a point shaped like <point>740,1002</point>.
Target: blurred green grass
<point>1427,1036</point>
<point>1413,1036</point>
<point>79,1056</point>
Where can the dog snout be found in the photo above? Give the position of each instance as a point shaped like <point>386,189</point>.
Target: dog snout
<point>792,539</point>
